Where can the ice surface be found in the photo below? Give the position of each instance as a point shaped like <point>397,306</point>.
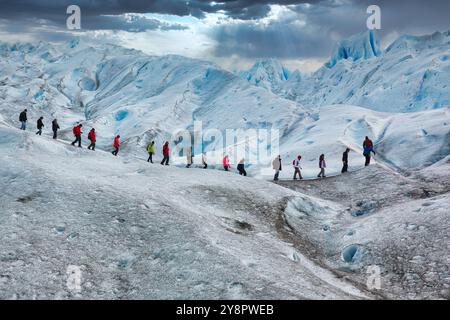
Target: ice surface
<point>405,233</point>
<point>138,230</point>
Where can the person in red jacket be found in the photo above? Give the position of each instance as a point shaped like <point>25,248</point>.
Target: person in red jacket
<point>226,163</point>
<point>77,133</point>
<point>166,152</point>
<point>93,138</point>
<point>116,145</point>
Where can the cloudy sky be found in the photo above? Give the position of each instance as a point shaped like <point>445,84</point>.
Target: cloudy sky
<point>233,33</point>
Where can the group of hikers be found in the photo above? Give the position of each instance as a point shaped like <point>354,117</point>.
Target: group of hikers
<point>92,137</point>
<point>276,163</point>
<point>227,167</point>
<point>367,153</point>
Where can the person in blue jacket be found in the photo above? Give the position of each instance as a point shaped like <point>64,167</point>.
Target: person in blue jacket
<point>368,149</point>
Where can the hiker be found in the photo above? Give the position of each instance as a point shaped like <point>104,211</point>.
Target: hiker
<point>40,125</point>
<point>345,160</point>
<point>297,168</point>
<point>226,163</point>
<point>241,168</point>
<point>322,166</point>
<point>77,133</point>
<point>368,148</point>
<point>93,138</point>
<point>276,164</point>
<point>188,157</point>
<point>204,160</point>
<point>166,152</point>
<point>116,145</point>
<point>23,119</point>
<point>55,128</point>
<point>151,151</point>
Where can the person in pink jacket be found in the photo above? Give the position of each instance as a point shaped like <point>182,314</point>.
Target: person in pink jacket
<point>226,163</point>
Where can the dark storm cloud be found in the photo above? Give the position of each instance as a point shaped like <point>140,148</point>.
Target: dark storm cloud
<point>115,14</point>
<point>96,15</point>
<point>278,40</point>
<point>55,10</point>
<point>413,15</point>
<point>109,14</point>
<point>128,22</point>
<point>307,31</point>
<point>416,16</point>
<point>324,23</point>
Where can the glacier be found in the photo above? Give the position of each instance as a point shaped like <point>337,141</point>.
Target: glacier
<point>138,230</point>
<point>412,74</point>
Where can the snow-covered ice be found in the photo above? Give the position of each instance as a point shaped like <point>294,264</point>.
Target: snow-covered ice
<point>144,231</point>
<point>137,230</point>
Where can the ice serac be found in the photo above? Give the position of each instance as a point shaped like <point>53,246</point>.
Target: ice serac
<point>266,73</point>
<point>361,46</point>
<point>295,76</point>
<point>417,43</point>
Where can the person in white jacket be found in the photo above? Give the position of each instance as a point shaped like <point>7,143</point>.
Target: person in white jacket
<point>322,166</point>
<point>297,167</point>
<point>276,164</point>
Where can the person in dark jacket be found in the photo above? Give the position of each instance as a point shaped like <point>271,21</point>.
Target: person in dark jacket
<point>77,133</point>
<point>204,160</point>
<point>241,168</point>
<point>93,138</point>
<point>23,119</point>
<point>189,157</point>
<point>322,166</point>
<point>368,149</point>
<point>55,128</point>
<point>166,152</point>
<point>345,160</point>
<point>40,125</point>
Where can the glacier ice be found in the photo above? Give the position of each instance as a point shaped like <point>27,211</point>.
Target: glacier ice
<point>361,46</point>
<point>360,73</point>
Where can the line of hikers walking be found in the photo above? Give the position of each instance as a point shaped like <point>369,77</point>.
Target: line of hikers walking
<point>367,153</point>
<point>368,149</point>
<point>76,132</point>
<point>92,137</point>
<point>40,124</point>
